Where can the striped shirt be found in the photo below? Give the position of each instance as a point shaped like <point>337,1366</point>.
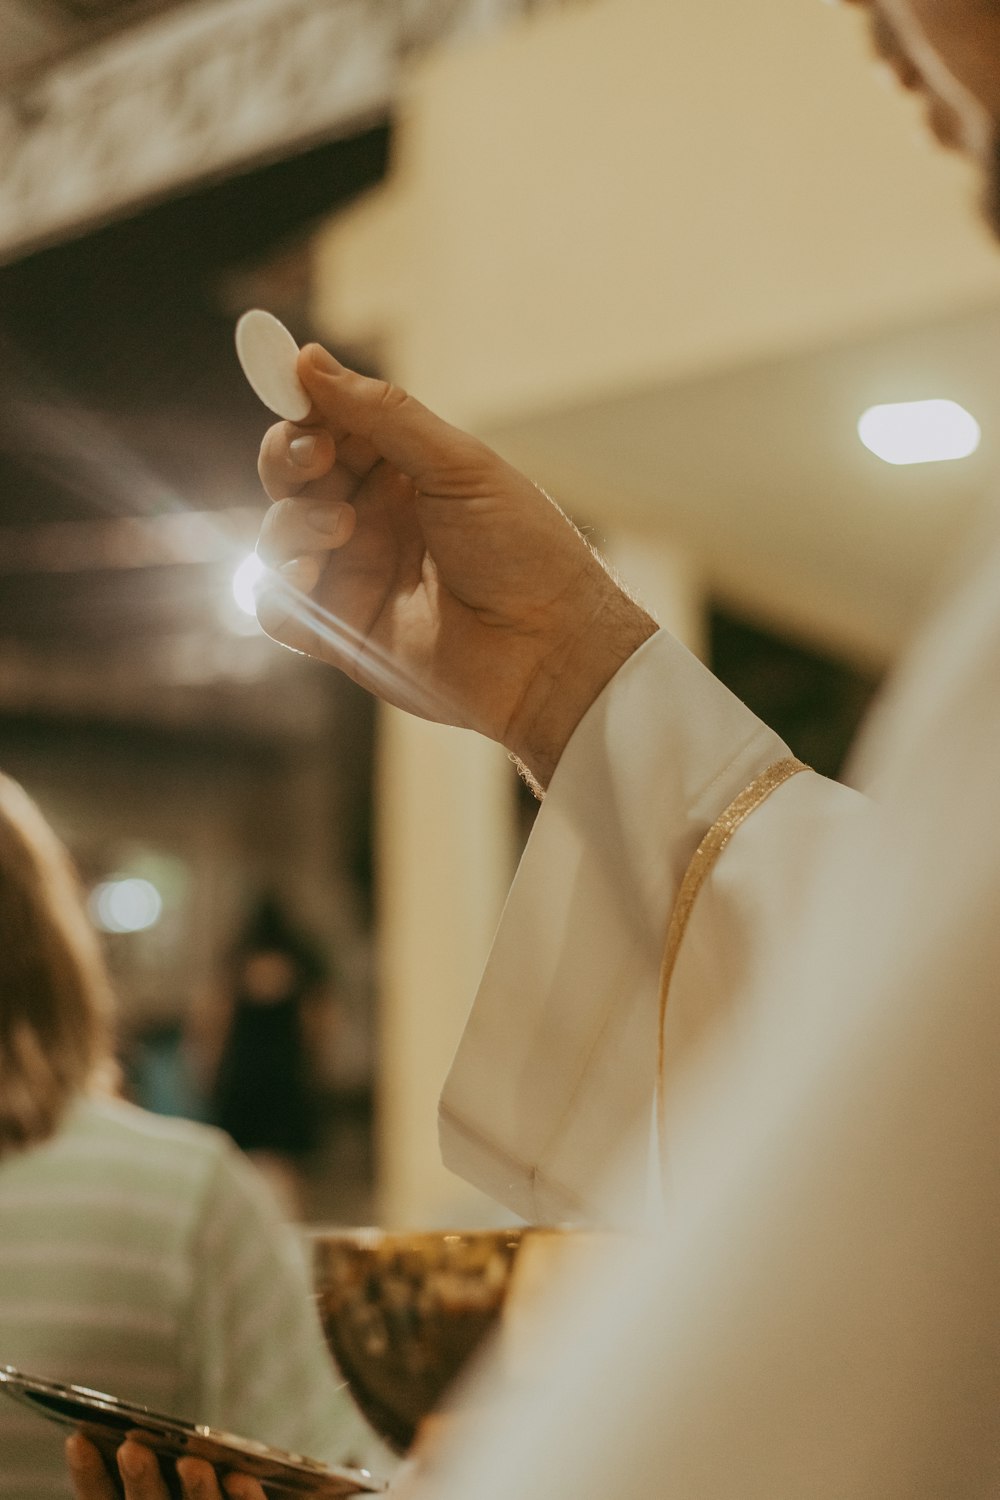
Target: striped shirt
<point>144,1257</point>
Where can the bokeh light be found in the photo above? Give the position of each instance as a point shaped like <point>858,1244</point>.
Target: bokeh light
<point>126,904</point>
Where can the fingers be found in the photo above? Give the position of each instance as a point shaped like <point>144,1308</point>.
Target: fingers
<point>298,541</point>
<point>142,1477</point>
<point>396,426</point>
<point>292,528</point>
<point>295,541</point>
<point>292,456</point>
<point>282,608</point>
<point>242,1487</point>
<point>91,1480</point>
<point>140,1471</point>
<point>354,422</point>
<point>199,1481</point>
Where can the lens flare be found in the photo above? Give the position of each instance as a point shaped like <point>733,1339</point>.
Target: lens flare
<point>362,659</point>
<point>246,581</point>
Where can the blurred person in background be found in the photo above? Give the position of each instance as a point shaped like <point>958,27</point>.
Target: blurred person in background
<point>810,972</point>
<point>138,1256</point>
<point>257,1041</point>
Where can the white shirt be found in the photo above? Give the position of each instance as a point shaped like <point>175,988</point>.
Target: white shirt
<point>819,1315</point>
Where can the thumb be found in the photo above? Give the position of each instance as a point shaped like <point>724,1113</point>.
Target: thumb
<point>396,425</point>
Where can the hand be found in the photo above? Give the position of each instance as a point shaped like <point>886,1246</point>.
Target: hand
<point>140,1472</point>
<point>417,561</point>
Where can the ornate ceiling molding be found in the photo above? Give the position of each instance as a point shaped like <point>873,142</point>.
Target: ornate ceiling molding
<point>204,91</point>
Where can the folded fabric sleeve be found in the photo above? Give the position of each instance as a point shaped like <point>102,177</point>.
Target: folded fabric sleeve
<point>557,1066</point>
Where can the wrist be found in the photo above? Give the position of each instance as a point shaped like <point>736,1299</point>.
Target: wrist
<point>571,677</point>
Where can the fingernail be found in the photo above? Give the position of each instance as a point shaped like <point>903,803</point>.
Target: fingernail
<point>303,451</point>
<point>326,520</point>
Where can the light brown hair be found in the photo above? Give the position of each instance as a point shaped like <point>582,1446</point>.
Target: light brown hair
<point>55,997</point>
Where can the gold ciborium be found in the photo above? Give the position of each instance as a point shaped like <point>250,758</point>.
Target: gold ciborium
<point>403,1313</point>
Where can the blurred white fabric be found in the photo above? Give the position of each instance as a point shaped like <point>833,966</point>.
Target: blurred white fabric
<point>819,1312</point>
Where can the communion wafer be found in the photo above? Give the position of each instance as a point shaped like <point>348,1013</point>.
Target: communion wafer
<point>267,352</point>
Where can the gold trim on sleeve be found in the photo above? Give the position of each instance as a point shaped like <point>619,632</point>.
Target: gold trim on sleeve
<point>697,872</point>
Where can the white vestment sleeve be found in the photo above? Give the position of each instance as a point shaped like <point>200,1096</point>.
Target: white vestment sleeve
<point>820,1316</point>
<point>557,1064</point>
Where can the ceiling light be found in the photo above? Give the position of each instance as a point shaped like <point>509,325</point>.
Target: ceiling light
<point>919,432</point>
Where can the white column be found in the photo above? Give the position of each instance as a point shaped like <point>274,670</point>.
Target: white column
<point>445,859</point>
<point>665,580</point>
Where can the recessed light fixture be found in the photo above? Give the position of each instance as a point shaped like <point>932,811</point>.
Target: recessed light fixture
<point>919,432</point>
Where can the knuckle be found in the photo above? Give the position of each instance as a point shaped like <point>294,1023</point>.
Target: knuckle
<point>469,473</point>
<point>389,397</point>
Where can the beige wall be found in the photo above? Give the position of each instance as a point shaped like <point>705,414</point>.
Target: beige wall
<point>630,191</point>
